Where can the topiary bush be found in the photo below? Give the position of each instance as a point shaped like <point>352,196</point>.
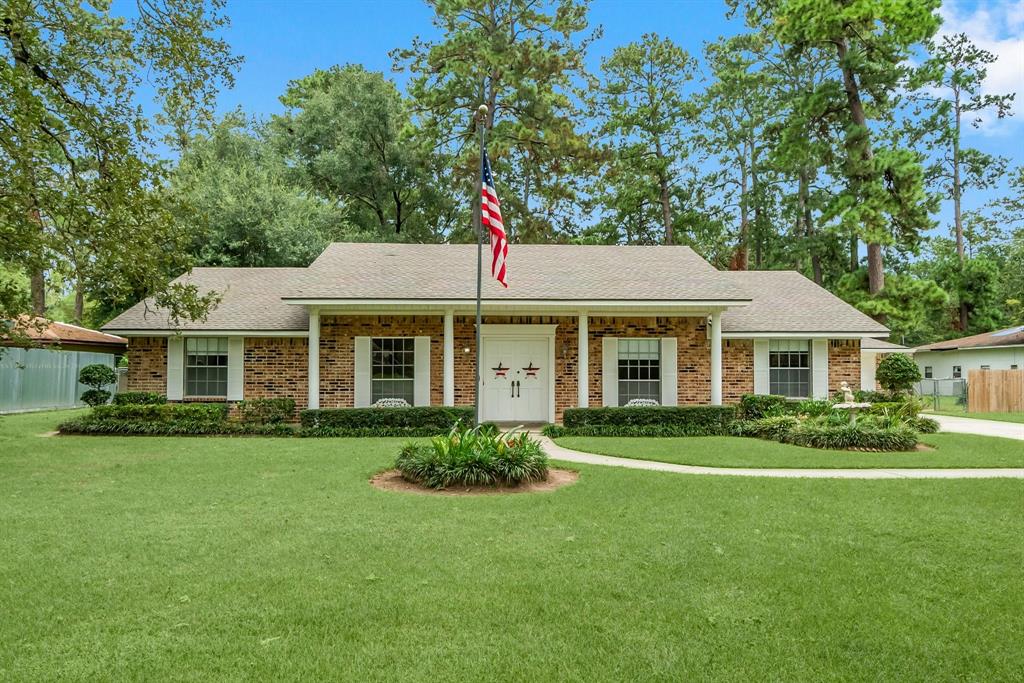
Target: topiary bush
<point>473,457</point>
<point>646,421</point>
<point>898,373</point>
<point>415,421</point>
<point>96,377</point>
<point>139,398</point>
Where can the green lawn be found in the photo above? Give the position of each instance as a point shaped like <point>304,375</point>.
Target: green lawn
<point>951,450</point>
<point>947,405</point>
<point>272,559</point>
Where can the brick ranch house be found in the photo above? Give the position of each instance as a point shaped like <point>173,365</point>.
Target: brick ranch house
<point>578,326</point>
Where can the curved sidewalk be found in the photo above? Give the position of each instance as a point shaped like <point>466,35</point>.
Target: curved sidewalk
<point>556,452</point>
<point>971,425</point>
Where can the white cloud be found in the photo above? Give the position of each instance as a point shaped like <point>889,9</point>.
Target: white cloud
<point>998,28</point>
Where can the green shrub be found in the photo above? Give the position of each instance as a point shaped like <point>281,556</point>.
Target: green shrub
<point>924,425</point>
<point>898,373</point>
<point>473,457</point>
<point>415,421</point>
<point>814,408</point>
<point>266,410</point>
<point>139,398</point>
<point>182,427</point>
<point>852,435</point>
<point>166,412</point>
<point>755,406</point>
<point>647,421</point>
<point>96,377</point>
<point>774,427</point>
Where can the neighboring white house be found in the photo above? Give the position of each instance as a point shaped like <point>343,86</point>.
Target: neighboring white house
<point>871,352</point>
<point>947,363</point>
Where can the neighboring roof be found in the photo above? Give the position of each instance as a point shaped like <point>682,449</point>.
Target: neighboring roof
<point>49,332</point>
<point>881,345</point>
<point>786,301</point>
<point>251,300</point>
<point>552,272</point>
<point>1011,336</point>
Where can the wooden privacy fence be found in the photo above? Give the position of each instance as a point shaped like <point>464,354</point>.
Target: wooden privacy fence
<point>995,391</point>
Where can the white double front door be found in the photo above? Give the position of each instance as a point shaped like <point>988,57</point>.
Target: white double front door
<point>516,380</point>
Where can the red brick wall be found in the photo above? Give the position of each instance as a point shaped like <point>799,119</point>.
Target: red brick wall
<point>147,364</point>
<point>277,367</point>
<point>337,352</point>
<point>843,364</point>
<point>737,369</point>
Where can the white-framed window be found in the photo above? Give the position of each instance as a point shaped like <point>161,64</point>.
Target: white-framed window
<point>393,368</point>
<point>206,366</point>
<point>639,369</point>
<point>957,373</point>
<point>789,367</point>
<point>927,372</point>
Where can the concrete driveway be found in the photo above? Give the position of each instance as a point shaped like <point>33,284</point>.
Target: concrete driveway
<point>969,425</point>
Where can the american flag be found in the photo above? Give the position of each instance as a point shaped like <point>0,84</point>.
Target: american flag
<point>490,219</point>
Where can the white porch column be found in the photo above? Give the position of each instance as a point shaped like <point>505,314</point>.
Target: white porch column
<point>449,359</point>
<point>583,364</point>
<point>716,358</point>
<point>314,357</point>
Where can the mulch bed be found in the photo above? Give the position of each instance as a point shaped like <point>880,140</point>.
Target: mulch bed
<point>391,480</point>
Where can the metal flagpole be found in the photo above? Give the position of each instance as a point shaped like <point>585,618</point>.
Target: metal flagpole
<point>481,113</point>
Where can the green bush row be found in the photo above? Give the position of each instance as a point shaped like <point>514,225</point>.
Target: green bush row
<point>139,398</point>
<point>182,427</point>
<point>416,421</point>
<point>165,412</point>
<point>266,410</point>
<point>838,437</point>
<point>646,421</point>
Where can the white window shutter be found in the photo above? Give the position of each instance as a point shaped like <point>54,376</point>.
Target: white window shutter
<point>175,368</point>
<point>610,371</point>
<point>236,368</point>
<point>361,389</point>
<point>421,382</point>
<point>819,368</point>
<point>762,384</point>
<point>669,372</point>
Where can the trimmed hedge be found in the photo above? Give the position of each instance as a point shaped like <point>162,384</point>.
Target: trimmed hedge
<point>156,419</point>
<point>645,421</point>
<point>182,427</point>
<point>266,410</point>
<point>165,412</point>
<point>139,398</point>
<point>416,421</point>
<point>756,406</point>
<point>840,437</point>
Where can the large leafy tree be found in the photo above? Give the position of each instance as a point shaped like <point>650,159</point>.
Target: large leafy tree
<point>884,199</point>
<point>78,181</point>
<point>644,114</point>
<point>245,207</point>
<point>949,92</point>
<point>523,59</point>
<point>349,134</point>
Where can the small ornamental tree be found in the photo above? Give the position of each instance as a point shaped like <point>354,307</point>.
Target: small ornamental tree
<point>897,373</point>
<point>96,376</point>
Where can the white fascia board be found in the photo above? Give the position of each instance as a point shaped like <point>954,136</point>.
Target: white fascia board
<point>212,333</point>
<point>799,335</point>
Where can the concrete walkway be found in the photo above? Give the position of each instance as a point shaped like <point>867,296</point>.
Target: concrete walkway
<point>557,452</point>
<point>970,425</point>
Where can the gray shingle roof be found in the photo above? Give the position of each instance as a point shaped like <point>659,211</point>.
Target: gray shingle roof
<point>786,301</point>
<point>1011,336</point>
<point>251,301</point>
<point>536,272</point>
<point>881,345</point>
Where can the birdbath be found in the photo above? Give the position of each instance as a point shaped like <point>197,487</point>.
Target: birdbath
<point>849,402</point>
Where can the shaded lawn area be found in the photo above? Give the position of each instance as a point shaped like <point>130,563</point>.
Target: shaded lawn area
<point>947,405</point>
<point>194,559</point>
<point>951,450</point>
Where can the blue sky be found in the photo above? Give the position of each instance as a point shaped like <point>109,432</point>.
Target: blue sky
<point>285,40</point>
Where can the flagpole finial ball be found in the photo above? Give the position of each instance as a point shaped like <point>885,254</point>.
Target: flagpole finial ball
<point>481,111</point>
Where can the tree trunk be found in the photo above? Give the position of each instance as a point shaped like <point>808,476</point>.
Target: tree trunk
<point>666,207</point>
<point>37,285</point>
<point>854,252</point>
<point>742,256</point>
<point>804,216</point>
<point>876,268</point>
<point>759,236</point>
<point>957,194</point>
<point>79,302</point>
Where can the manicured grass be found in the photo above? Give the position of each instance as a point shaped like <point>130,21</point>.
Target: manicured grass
<point>947,405</point>
<point>272,559</point>
<point>951,450</point>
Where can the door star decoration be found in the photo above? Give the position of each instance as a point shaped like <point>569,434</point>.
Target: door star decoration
<point>531,371</point>
<point>501,371</point>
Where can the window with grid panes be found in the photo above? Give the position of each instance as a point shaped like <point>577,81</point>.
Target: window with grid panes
<point>392,368</point>
<point>789,367</point>
<point>206,366</point>
<point>639,369</point>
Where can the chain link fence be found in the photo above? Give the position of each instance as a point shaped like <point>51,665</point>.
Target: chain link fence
<point>943,395</point>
